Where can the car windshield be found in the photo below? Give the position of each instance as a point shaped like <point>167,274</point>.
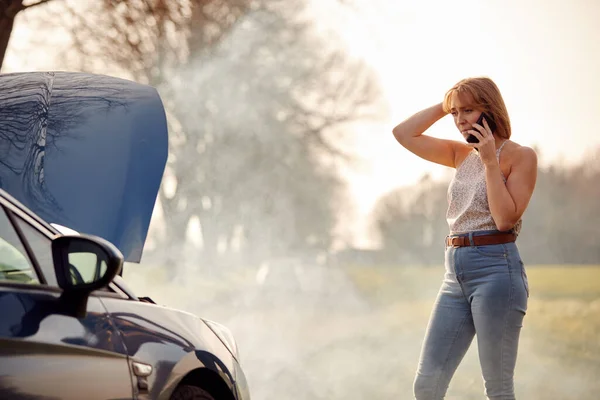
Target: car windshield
<point>13,265</point>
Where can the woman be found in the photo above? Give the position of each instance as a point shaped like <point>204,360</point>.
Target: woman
<point>484,291</point>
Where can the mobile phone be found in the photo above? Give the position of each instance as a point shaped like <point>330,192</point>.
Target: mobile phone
<point>491,123</point>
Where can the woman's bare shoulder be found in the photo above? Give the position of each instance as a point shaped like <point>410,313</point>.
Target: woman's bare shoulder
<point>516,155</point>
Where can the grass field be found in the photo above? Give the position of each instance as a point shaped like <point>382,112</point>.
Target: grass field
<point>355,332</point>
<point>560,346</point>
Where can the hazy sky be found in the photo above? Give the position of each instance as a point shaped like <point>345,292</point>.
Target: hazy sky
<point>543,54</point>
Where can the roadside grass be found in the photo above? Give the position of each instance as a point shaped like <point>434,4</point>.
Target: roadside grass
<point>580,282</point>
<point>562,326</point>
<point>545,281</point>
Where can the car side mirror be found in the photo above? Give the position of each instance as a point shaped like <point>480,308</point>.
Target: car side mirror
<point>83,263</point>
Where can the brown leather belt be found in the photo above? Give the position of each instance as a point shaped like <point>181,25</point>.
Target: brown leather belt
<point>482,240</point>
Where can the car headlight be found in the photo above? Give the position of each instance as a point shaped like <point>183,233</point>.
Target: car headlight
<point>225,336</point>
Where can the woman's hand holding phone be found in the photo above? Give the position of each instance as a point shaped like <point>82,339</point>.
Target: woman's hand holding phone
<point>486,144</point>
<point>489,120</point>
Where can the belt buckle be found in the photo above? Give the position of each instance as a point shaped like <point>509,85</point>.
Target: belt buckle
<point>451,242</point>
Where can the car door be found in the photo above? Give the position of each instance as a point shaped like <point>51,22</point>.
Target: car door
<point>45,352</point>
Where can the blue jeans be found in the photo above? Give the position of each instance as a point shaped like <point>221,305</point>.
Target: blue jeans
<point>484,293</point>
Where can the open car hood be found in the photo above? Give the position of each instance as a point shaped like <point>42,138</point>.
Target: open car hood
<point>84,151</point>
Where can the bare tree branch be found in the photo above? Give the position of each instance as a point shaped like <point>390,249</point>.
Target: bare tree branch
<point>39,3</point>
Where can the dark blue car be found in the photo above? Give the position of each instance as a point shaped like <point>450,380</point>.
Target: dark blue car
<point>88,152</point>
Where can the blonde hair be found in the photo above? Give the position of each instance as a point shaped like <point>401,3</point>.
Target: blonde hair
<point>485,96</point>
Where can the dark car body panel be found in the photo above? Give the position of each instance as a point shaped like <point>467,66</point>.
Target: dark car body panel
<point>42,349</point>
<point>84,151</point>
<point>172,341</point>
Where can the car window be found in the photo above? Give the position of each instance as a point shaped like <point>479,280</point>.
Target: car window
<point>15,265</point>
<point>41,246</point>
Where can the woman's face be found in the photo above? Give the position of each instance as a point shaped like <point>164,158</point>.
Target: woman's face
<point>463,112</point>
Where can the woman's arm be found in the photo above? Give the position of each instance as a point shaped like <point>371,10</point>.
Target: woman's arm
<point>508,201</point>
<point>409,134</point>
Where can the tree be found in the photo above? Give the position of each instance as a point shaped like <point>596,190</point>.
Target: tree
<point>8,12</point>
<point>411,222</point>
<point>256,102</point>
<point>560,223</point>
